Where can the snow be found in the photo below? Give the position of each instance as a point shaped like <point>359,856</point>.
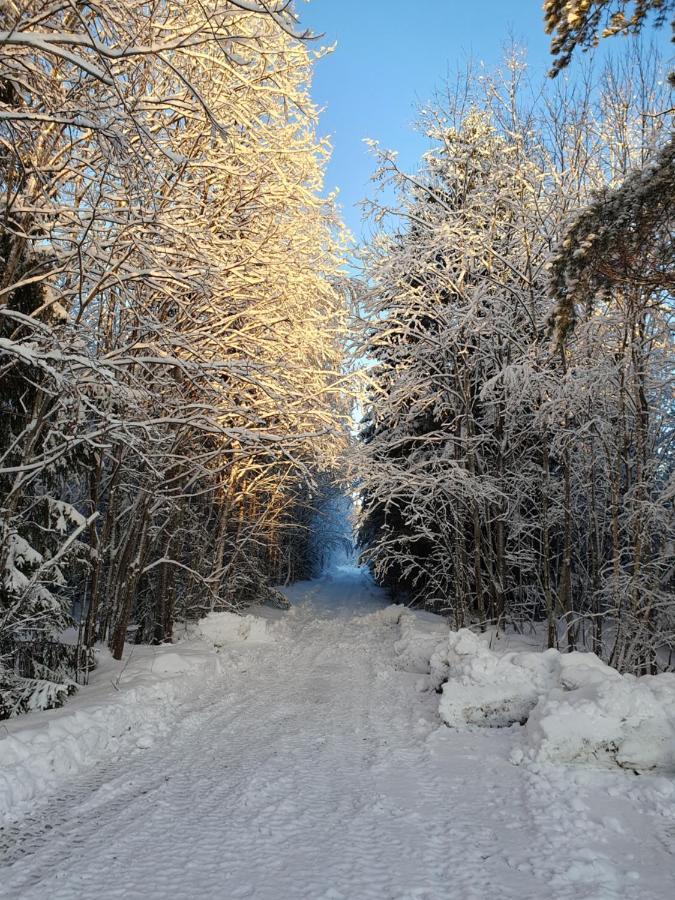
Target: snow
<point>20,555</point>
<point>627,721</point>
<point>65,515</point>
<point>497,688</point>
<point>222,628</point>
<point>316,766</point>
<point>574,707</point>
<point>139,693</point>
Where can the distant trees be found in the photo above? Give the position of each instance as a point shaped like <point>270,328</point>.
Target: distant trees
<point>171,319</point>
<point>507,476</point>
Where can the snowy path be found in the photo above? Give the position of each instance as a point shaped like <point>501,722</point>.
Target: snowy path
<point>315,768</point>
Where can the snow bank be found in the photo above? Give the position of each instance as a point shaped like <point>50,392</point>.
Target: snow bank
<point>626,720</point>
<point>574,707</point>
<point>420,648</point>
<point>487,687</point>
<point>129,703</point>
<point>390,615</point>
<point>423,637</point>
<point>220,628</point>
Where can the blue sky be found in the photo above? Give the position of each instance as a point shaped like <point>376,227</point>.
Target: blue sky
<point>390,56</point>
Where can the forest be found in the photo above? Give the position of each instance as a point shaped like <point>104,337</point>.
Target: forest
<point>517,457</point>
<point>172,323</point>
<point>186,331</point>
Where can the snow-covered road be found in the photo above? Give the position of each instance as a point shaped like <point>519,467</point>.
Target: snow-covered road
<point>316,767</point>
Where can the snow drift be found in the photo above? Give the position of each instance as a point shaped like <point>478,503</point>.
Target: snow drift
<point>130,704</point>
<point>498,688</point>
<point>574,707</point>
<point>630,721</point>
<point>220,628</point>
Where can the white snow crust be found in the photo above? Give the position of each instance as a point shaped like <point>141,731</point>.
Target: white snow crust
<point>316,766</point>
<point>222,628</point>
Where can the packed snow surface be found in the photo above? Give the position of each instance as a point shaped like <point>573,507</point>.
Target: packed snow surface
<point>303,756</point>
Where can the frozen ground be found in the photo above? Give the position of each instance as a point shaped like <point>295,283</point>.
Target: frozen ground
<point>312,765</point>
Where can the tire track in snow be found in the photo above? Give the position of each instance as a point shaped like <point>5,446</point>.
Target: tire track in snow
<point>313,770</point>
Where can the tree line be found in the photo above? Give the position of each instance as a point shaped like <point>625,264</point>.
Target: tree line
<point>171,322</point>
<point>174,336</point>
<point>517,455</point>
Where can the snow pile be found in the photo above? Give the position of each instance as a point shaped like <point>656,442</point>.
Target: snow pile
<point>492,688</point>
<point>421,645</point>
<point>626,720</point>
<point>421,648</point>
<point>574,707</point>
<point>486,688</point>
<point>390,615</point>
<point>220,628</point>
<point>129,704</point>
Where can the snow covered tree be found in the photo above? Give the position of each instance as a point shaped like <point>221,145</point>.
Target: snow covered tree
<point>614,262</point>
<point>456,300</point>
<point>500,473</point>
<point>171,316</point>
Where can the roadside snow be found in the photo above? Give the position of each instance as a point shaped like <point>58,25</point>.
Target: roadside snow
<point>628,721</point>
<point>317,767</point>
<point>221,628</point>
<point>575,709</point>
<point>128,703</point>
